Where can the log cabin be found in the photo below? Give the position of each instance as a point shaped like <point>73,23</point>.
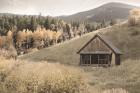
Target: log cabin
<point>99,52</point>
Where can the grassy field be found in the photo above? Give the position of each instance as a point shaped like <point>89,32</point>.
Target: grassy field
<point>43,77</point>
<point>126,76</point>
<point>124,37</point>
<point>30,77</point>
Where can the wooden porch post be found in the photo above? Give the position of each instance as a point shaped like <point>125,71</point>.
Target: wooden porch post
<point>98,60</point>
<point>108,60</point>
<point>90,59</point>
<point>80,59</point>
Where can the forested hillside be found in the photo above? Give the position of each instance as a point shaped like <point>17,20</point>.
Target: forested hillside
<point>107,12</point>
<point>28,33</point>
<point>125,36</point>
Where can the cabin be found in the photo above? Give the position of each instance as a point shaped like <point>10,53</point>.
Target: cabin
<point>99,52</point>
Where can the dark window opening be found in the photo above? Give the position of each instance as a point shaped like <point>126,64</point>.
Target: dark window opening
<point>86,59</point>
<point>95,59</point>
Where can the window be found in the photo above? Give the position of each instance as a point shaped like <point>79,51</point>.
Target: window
<point>85,59</point>
<point>88,59</point>
<point>99,59</point>
<point>94,59</point>
<point>102,59</point>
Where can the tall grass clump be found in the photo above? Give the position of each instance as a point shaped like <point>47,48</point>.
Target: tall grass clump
<point>126,76</point>
<point>30,77</point>
<point>115,90</point>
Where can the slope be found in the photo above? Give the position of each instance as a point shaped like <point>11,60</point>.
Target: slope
<point>124,37</point>
<point>105,12</point>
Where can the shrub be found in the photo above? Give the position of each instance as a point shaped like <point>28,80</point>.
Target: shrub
<point>9,53</point>
<point>25,77</point>
<point>135,33</point>
<point>134,17</point>
<point>132,21</point>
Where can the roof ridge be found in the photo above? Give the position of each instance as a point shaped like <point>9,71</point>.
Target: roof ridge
<point>106,41</point>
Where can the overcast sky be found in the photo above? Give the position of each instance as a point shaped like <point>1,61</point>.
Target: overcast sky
<point>54,7</point>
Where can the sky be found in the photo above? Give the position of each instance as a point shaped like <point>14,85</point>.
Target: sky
<point>54,7</point>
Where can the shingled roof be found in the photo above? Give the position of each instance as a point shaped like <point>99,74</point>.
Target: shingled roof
<point>105,41</point>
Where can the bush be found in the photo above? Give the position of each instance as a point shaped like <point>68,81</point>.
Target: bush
<point>25,77</point>
<point>134,17</point>
<point>135,33</point>
<point>11,53</point>
<point>132,21</point>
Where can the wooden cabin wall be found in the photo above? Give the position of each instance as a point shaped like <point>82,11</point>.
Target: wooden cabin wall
<point>96,45</point>
<point>117,59</point>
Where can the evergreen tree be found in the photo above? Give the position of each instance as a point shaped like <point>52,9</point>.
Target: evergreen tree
<point>33,24</point>
<point>47,23</point>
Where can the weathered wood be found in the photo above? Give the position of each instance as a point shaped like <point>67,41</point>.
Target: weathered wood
<point>80,59</point>
<point>96,45</point>
<point>90,59</point>
<point>97,52</point>
<point>117,59</point>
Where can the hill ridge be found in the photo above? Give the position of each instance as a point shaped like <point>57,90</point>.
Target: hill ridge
<point>113,10</point>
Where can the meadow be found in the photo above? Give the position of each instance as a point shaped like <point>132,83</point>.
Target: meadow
<point>43,77</point>
<point>56,69</point>
<point>29,77</point>
<point>125,76</point>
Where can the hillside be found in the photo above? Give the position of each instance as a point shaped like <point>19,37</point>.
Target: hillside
<point>126,76</point>
<point>126,39</point>
<point>105,12</point>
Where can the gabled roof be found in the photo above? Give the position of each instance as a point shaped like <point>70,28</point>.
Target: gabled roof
<point>105,41</point>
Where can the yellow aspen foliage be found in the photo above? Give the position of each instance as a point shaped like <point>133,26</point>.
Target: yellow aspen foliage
<point>9,37</point>
<point>45,34</point>
<point>54,34</point>
<point>28,33</point>
<point>38,35</point>
<point>50,34</point>
<point>58,34</point>
<point>21,36</point>
<point>1,41</point>
<point>134,17</point>
<point>9,34</point>
<point>135,12</point>
<point>41,33</point>
<point>24,34</point>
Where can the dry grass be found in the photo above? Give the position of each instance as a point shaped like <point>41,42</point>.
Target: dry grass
<point>117,90</point>
<point>10,53</point>
<point>126,76</point>
<point>30,77</point>
<point>124,37</point>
